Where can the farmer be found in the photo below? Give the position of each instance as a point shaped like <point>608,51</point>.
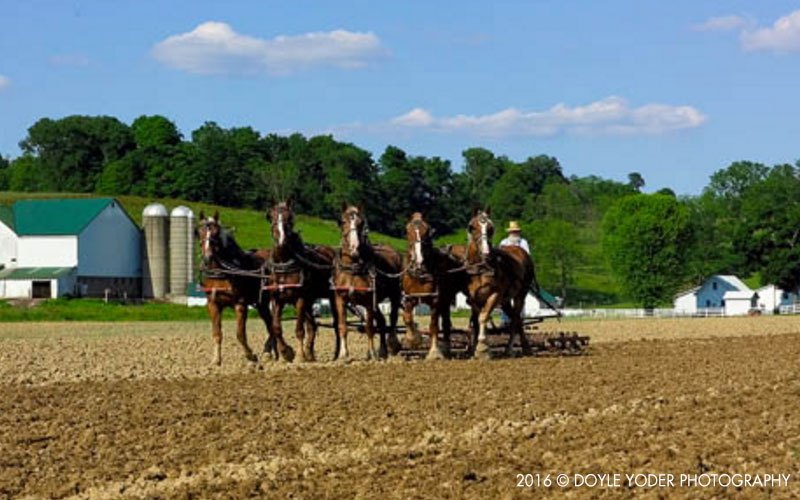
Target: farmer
<point>514,238</point>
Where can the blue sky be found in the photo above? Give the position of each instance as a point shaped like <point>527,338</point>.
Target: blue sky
<point>672,89</point>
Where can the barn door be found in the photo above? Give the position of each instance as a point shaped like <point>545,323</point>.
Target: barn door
<point>41,290</point>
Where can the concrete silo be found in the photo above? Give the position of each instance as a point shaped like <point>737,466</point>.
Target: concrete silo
<point>155,262</point>
<point>181,250</point>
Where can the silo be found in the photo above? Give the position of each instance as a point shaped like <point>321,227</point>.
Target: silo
<point>155,263</point>
<point>181,250</point>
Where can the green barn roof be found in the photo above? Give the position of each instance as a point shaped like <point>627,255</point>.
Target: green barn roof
<point>54,217</point>
<point>34,273</point>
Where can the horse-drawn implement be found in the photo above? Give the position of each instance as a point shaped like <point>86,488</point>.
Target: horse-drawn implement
<point>359,276</point>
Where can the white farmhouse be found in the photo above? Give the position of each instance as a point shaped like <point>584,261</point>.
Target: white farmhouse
<point>726,293</point>
<point>771,297</point>
<point>85,246</point>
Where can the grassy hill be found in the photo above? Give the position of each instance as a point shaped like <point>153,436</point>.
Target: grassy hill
<point>593,283</point>
<point>251,229</point>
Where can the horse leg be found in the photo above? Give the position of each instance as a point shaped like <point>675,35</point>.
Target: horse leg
<point>215,313</point>
<point>241,331</point>
<point>508,310</point>
<point>380,323</point>
<point>433,332</point>
<point>335,323</point>
<point>311,332</point>
<point>270,347</point>
<point>284,349</point>
<point>372,353</point>
<point>299,328</point>
<point>519,307</point>
<point>412,339</point>
<point>482,348</point>
<point>341,312</point>
<point>447,325</point>
<point>394,344</point>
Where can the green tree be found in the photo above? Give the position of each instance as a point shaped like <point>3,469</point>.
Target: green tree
<point>4,173</point>
<point>645,240</point>
<point>636,181</point>
<point>73,151</point>
<point>556,252</point>
<point>26,174</point>
<point>768,235</point>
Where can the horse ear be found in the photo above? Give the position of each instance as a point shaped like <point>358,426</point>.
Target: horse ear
<point>361,207</point>
<point>344,206</point>
<point>488,210</point>
<point>216,216</point>
<point>290,202</point>
<point>202,215</point>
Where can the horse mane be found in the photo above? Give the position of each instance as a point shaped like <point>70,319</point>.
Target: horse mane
<point>233,253</point>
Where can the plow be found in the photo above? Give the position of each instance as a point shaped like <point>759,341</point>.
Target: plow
<point>558,343</point>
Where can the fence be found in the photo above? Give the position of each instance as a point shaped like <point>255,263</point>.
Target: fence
<point>709,312</point>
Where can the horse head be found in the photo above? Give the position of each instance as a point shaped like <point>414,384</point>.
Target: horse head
<point>481,230</point>
<point>353,227</point>
<point>419,235</point>
<point>282,221</point>
<point>209,234</point>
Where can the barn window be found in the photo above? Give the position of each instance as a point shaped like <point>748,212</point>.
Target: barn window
<point>708,302</point>
<point>785,295</point>
<point>714,285</point>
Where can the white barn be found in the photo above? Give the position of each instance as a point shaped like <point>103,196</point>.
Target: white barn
<point>83,246</point>
<point>724,292</point>
<point>771,298</point>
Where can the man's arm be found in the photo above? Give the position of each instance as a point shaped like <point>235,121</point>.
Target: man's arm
<point>524,244</point>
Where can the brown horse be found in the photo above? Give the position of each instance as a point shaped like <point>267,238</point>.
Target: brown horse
<point>365,275</point>
<point>222,259</point>
<point>431,277</point>
<point>498,277</point>
<point>299,275</point>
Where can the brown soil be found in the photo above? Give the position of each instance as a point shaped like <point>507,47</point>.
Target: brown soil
<point>136,412</point>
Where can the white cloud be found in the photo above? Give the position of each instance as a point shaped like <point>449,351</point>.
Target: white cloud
<point>612,115</point>
<point>214,48</point>
<point>722,23</point>
<point>5,82</point>
<point>783,36</point>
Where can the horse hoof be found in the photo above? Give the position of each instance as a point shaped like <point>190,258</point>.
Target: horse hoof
<point>482,351</point>
<point>435,355</point>
<point>251,357</point>
<point>527,352</point>
<point>308,357</point>
<point>288,354</point>
<point>394,345</point>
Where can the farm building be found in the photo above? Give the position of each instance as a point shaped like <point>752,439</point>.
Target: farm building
<point>771,298</point>
<point>50,248</point>
<point>727,293</point>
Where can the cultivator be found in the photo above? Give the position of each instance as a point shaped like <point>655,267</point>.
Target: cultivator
<point>561,343</point>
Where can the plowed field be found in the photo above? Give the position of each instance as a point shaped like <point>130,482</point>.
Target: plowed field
<point>135,410</point>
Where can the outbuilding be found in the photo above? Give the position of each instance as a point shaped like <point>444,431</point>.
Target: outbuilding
<point>80,246</point>
<point>715,294</point>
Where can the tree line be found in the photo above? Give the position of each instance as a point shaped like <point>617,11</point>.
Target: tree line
<point>653,244</point>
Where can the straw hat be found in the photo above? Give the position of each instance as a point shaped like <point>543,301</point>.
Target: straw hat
<point>513,227</point>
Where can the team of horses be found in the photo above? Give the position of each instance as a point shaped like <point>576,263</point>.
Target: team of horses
<point>358,276</point>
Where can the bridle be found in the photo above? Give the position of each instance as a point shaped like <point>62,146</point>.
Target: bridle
<point>419,245</point>
<point>283,225</point>
<point>352,238</point>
